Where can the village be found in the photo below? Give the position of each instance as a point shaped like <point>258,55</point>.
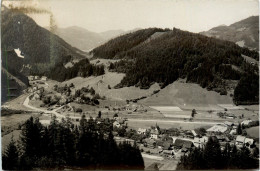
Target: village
<point>157,144</point>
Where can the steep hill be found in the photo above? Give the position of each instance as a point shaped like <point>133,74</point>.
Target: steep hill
<point>245,33</point>
<point>179,54</point>
<point>40,48</point>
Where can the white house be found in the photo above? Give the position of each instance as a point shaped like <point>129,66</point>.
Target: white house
<point>154,133</point>
<point>141,131</point>
<point>246,122</point>
<point>44,78</point>
<point>240,140</point>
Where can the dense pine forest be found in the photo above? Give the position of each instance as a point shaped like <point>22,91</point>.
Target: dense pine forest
<point>212,158</point>
<point>59,72</point>
<point>179,54</point>
<point>64,145</point>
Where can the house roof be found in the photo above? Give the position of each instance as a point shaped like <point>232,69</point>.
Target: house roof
<point>183,143</point>
<point>141,130</point>
<point>194,133</point>
<point>246,122</point>
<point>228,123</point>
<point>240,139</point>
<point>166,145</point>
<point>249,141</point>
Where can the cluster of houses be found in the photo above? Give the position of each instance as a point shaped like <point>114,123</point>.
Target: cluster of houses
<point>35,78</point>
<point>177,145</point>
<point>36,92</point>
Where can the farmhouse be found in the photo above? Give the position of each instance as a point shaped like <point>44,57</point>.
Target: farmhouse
<point>30,78</point>
<point>141,131</point>
<point>246,122</point>
<point>240,140</point>
<point>154,133</point>
<point>249,142</point>
<point>200,142</point>
<point>194,133</point>
<point>44,78</point>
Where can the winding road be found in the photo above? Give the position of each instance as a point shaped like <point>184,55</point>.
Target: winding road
<point>54,112</point>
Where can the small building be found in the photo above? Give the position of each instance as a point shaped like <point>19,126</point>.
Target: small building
<point>246,122</point>
<point>168,153</point>
<point>30,78</point>
<point>141,131</point>
<point>44,78</point>
<point>233,132</point>
<point>194,133</point>
<point>35,96</point>
<point>200,142</point>
<point>116,124</point>
<point>240,140</point>
<point>154,133</point>
<point>36,77</point>
<point>249,141</point>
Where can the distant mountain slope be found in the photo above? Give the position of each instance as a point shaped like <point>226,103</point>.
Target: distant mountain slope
<point>39,47</point>
<point>179,54</point>
<point>107,35</point>
<point>80,37</point>
<point>244,33</point>
<point>84,39</point>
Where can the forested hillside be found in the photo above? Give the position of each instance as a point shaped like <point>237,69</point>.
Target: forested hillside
<point>83,69</point>
<point>179,54</point>
<point>38,46</point>
<point>117,47</point>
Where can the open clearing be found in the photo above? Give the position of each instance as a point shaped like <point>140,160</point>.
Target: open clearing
<point>136,123</point>
<point>101,83</point>
<point>187,96</point>
<point>166,108</point>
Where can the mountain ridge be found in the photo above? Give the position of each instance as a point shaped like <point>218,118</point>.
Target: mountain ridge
<point>244,32</point>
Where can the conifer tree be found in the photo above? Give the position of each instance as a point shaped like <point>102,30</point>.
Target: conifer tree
<point>10,156</point>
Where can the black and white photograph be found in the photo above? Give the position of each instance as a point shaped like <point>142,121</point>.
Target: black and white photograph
<point>129,85</point>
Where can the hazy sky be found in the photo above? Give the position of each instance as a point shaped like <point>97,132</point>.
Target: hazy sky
<point>102,15</point>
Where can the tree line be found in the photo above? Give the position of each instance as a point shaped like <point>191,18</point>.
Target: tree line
<point>213,158</point>
<point>83,68</point>
<point>63,145</point>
